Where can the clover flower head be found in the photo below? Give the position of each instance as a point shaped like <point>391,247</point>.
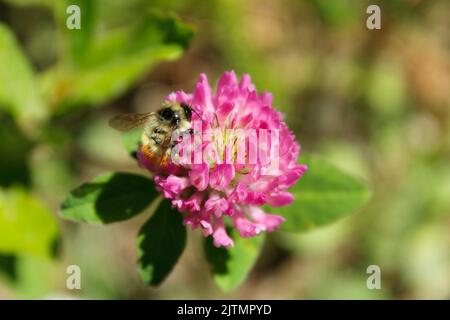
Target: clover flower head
<point>221,188</point>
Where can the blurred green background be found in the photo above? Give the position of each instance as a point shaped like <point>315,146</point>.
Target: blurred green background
<point>375,103</point>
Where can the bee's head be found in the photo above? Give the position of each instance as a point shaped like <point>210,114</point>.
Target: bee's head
<point>170,115</point>
<point>176,113</point>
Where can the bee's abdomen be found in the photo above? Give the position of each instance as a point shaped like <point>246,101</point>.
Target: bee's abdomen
<point>153,158</point>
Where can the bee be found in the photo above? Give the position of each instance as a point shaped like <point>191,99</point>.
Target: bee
<point>156,139</point>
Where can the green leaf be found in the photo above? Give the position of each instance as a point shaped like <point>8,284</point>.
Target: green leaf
<point>161,242</point>
<point>231,266</point>
<point>8,266</point>
<point>323,195</point>
<point>25,3</point>
<point>18,94</point>
<point>115,62</point>
<point>15,154</point>
<point>26,225</point>
<point>109,198</point>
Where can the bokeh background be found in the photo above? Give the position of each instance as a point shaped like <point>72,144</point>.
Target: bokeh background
<point>375,103</point>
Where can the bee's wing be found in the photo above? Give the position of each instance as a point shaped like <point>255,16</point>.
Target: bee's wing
<point>129,121</point>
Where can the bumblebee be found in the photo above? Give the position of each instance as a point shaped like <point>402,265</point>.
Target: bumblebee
<point>159,126</point>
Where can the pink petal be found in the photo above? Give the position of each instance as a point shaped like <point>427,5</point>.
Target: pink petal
<point>266,98</point>
<point>269,221</point>
<point>224,110</point>
<point>221,238</point>
<point>194,202</point>
<point>245,227</point>
<point>239,193</point>
<point>228,79</point>
<point>280,199</point>
<point>221,176</point>
<point>199,176</point>
<point>245,120</point>
<point>207,228</point>
<point>202,95</point>
<point>172,185</point>
<point>246,83</point>
<point>216,205</point>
